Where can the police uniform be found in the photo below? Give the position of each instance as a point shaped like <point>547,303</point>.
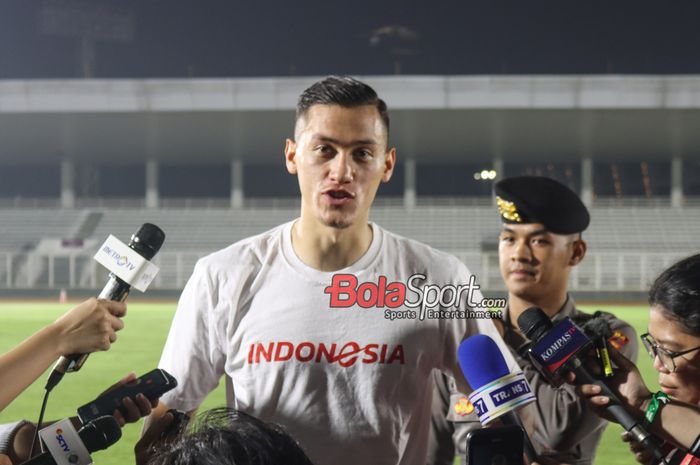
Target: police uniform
<point>566,429</point>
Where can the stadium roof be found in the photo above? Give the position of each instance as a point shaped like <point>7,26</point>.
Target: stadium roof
<point>439,119</point>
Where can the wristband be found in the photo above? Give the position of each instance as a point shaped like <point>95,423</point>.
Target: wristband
<point>657,400</point>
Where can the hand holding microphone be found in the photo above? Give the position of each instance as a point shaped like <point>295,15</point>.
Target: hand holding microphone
<point>627,383</point>
<point>130,266</point>
<point>641,454</point>
<point>89,327</point>
<point>676,421</point>
<point>555,351</point>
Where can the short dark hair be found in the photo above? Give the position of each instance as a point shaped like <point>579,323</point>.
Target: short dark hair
<point>225,436</point>
<point>344,91</point>
<point>677,290</point>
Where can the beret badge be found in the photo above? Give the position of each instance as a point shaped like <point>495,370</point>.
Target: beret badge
<point>507,210</point>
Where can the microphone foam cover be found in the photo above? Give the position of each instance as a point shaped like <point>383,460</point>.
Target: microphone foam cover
<point>597,327</point>
<point>100,433</point>
<point>481,360</point>
<point>534,323</point>
<point>147,240</point>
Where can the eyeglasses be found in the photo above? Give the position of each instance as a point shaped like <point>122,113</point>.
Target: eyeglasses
<point>665,356</point>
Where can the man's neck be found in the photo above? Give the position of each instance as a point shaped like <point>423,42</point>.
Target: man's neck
<point>517,305</point>
<point>330,249</point>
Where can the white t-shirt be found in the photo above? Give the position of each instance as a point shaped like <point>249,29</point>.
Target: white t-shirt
<point>352,386</point>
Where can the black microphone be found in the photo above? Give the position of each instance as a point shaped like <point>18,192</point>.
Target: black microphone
<point>97,435</point>
<point>599,330</point>
<point>554,351</point>
<point>146,242</point>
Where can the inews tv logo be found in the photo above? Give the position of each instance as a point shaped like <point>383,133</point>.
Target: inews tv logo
<point>345,291</point>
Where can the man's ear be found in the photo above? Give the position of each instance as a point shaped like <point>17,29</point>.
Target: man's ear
<point>389,164</point>
<point>290,152</point>
<point>579,251</point>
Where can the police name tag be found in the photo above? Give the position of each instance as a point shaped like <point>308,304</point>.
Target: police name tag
<point>64,444</point>
<point>126,264</point>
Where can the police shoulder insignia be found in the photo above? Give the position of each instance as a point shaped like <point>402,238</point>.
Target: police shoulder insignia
<point>618,339</point>
<point>463,407</point>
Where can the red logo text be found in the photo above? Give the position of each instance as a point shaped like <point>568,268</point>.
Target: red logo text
<point>346,355</point>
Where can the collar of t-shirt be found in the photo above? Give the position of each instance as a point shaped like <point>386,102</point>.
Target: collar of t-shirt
<point>359,268</point>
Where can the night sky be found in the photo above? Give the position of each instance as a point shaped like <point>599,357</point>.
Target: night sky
<point>275,38</point>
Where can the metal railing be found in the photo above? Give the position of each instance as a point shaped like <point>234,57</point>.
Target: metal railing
<point>218,203</point>
<point>598,272</point>
<point>619,271</point>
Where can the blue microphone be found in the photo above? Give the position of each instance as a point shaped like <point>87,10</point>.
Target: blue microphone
<point>497,392</point>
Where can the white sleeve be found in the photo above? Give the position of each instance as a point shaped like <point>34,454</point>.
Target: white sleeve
<point>458,330</point>
<point>7,435</point>
<point>192,352</point>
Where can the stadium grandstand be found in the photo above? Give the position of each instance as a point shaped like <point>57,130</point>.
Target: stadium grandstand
<point>203,159</point>
<point>119,112</point>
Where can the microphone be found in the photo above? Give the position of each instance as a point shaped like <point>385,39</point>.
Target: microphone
<point>146,242</point>
<point>599,330</point>
<point>554,351</point>
<point>497,391</point>
<point>97,435</point>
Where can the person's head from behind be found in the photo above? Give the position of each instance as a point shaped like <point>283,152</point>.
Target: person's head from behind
<point>540,240</point>
<point>674,329</point>
<point>226,436</point>
<point>340,151</point>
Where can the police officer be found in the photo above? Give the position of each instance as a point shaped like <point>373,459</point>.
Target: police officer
<point>539,244</point>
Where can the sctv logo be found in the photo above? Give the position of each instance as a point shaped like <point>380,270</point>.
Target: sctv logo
<point>61,440</point>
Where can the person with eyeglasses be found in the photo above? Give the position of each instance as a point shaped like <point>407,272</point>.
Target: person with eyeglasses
<point>666,357</point>
<point>673,341</point>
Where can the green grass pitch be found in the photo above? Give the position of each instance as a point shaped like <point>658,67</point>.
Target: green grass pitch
<point>138,350</point>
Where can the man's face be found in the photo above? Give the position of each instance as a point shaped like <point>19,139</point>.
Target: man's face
<point>534,262</point>
<point>340,155</point>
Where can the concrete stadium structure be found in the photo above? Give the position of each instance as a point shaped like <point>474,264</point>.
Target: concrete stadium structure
<point>474,122</point>
<point>484,120</point>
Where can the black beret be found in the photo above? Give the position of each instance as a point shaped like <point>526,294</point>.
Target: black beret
<point>536,199</point>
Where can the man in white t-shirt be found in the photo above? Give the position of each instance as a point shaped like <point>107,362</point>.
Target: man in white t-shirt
<point>318,323</point>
